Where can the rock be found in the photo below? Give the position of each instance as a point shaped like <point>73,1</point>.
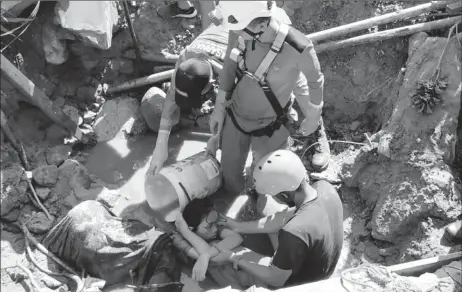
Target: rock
<point>372,252</point>
<point>89,117</point>
<point>118,117</point>
<point>46,175</point>
<point>86,94</point>
<point>12,216</point>
<point>410,179</point>
<point>98,31</point>
<point>8,156</point>
<point>59,102</point>
<point>94,107</point>
<point>51,283</point>
<point>108,197</point>
<point>73,113</point>
<point>43,193</point>
<point>40,224</point>
<point>152,105</point>
<point>355,125</point>
<point>56,52</point>
<point>12,189</point>
<point>55,134</point>
<point>126,66</point>
<point>58,154</point>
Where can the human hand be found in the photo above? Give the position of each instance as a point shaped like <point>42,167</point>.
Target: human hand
<point>200,268</point>
<point>158,159</point>
<point>213,145</point>
<point>229,256</point>
<point>216,120</point>
<point>308,126</point>
<point>180,223</point>
<point>227,222</point>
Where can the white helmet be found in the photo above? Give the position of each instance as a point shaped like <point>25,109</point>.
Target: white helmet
<point>238,14</point>
<point>277,172</point>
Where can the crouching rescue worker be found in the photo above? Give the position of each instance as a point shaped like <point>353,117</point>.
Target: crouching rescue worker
<point>310,240</point>
<point>193,78</point>
<point>272,63</point>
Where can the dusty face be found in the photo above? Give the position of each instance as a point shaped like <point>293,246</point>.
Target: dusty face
<point>208,229</point>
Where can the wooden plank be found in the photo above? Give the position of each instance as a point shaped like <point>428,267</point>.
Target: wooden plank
<point>414,268</point>
<point>425,265</point>
<point>37,98</point>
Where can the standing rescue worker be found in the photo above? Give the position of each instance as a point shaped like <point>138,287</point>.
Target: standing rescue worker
<point>309,240</point>
<point>193,77</point>
<point>272,63</point>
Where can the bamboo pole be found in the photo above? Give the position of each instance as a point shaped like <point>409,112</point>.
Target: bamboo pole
<point>382,19</point>
<point>387,34</point>
<point>151,79</point>
<point>36,97</point>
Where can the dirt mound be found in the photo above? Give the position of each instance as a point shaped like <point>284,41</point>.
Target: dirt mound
<point>407,177</point>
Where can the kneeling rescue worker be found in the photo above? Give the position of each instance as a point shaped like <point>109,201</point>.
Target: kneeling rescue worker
<point>309,241</point>
<point>267,64</point>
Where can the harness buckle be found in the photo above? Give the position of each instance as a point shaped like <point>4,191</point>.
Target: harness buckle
<point>251,75</point>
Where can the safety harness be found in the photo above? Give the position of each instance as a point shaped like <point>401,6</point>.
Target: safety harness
<point>260,77</point>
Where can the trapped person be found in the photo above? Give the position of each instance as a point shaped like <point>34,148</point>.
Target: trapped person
<point>198,226</point>
<point>273,63</point>
<point>310,240</point>
<point>191,82</point>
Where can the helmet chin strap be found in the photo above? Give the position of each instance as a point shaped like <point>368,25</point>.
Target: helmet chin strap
<point>255,35</point>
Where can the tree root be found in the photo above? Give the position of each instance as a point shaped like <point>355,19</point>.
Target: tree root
<point>71,275</point>
<point>37,200</point>
<point>33,282</point>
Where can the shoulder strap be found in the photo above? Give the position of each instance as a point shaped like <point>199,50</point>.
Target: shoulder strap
<point>262,69</point>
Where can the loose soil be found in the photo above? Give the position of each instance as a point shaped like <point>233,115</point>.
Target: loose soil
<point>354,93</point>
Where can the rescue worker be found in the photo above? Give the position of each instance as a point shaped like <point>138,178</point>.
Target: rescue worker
<point>177,9</point>
<point>310,240</point>
<point>192,79</point>
<point>273,63</point>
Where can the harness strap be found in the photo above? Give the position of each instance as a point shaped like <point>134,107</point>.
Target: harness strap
<point>263,68</point>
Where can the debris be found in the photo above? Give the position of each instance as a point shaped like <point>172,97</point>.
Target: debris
<point>72,113</point>
<point>355,125</point>
<point>73,275</point>
<point>37,200</point>
<point>152,105</point>
<point>89,117</point>
<point>43,193</point>
<point>17,145</point>
<point>33,282</point>
<point>58,154</point>
<point>93,22</point>
<point>428,93</point>
<point>46,175</point>
<point>118,116</point>
<point>56,51</point>
<point>40,223</point>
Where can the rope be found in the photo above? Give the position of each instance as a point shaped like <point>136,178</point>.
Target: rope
<point>333,141</point>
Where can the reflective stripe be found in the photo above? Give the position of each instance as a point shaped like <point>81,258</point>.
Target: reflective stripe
<point>262,69</point>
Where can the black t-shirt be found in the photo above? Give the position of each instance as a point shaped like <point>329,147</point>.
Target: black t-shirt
<point>311,242</point>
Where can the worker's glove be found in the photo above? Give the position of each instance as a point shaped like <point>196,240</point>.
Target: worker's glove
<point>159,157</point>
<point>218,115</point>
<point>311,122</point>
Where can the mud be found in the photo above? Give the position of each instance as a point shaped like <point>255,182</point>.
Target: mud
<point>396,201</point>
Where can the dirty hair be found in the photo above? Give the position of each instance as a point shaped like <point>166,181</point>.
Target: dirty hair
<point>196,211</point>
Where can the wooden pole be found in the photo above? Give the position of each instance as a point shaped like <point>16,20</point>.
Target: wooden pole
<point>15,142</point>
<point>136,44</point>
<point>387,34</point>
<point>370,22</point>
<point>36,97</point>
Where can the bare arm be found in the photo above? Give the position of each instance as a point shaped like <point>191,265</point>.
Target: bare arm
<point>269,224</point>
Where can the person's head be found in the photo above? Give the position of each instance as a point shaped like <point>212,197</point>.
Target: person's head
<point>193,79</point>
<point>280,174</point>
<point>201,217</point>
<point>249,19</point>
